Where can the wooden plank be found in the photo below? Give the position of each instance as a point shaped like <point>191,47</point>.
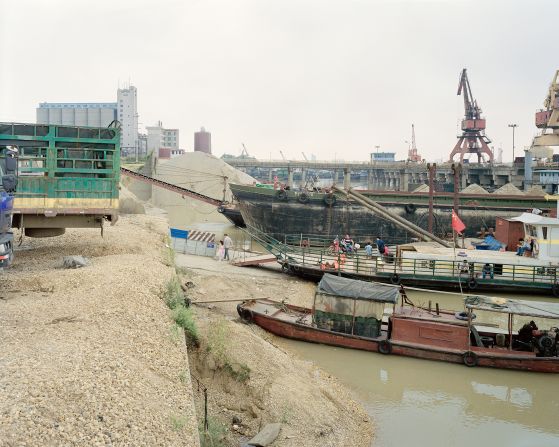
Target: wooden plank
<point>255,260</point>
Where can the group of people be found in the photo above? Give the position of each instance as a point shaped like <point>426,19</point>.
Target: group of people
<point>347,245</point>
<point>525,245</point>
<point>224,247</point>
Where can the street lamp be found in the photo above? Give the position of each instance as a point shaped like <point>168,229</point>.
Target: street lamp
<point>514,126</point>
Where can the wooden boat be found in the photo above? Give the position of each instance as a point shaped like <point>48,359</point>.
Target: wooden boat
<point>352,314</point>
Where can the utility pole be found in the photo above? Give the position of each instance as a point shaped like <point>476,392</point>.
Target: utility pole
<point>432,169</point>
<point>514,126</point>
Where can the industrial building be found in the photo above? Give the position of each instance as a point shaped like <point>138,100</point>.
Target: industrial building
<point>89,114</point>
<point>163,142</point>
<point>203,141</point>
<point>127,99</point>
<point>98,114</point>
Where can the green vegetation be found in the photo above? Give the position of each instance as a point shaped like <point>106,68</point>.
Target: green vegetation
<point>185,319</point>
<point>168,252</point>
<point>181,315</point>
<point>178,422</point>
<point>213,436</point>
<point>217,339</point>
<point>173,295</point>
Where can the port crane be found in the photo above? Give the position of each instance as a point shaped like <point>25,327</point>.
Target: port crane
<point>473,139</point>
<point>282,156</point>
<point>548,118</point>
<point>412,151</point>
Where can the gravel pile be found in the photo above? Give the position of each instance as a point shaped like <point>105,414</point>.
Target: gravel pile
<point>88,355</point>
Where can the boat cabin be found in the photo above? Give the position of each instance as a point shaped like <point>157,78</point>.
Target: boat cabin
<point>350,306</point>
<point>545,231</point>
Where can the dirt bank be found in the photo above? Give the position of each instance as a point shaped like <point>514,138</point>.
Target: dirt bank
<point>88,355</point>
<point>250,378</point>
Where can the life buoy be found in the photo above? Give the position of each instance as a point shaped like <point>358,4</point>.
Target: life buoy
<point>303,197</point>
<point>464,316</point>
<point>281,194</point>
<point>395,279</point>
<point>220,209</point>
<point>472,283</point>
<point>384,347</point>
<point>410,208</point>
<point>555,289</point>
<point>470,359</point>
<point>330,199</point>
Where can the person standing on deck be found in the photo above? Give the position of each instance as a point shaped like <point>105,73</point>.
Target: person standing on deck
<point>369,250</point>
<point>381,246</point>
<point>227,244</point>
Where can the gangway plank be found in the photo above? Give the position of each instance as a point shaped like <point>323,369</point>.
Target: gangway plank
<point>255,260</point>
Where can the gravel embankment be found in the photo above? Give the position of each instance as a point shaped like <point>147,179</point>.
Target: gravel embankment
<point>88,355</point>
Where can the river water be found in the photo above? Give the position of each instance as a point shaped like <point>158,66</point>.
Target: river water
<point>435,404</point>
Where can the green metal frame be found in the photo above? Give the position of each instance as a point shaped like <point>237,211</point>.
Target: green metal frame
<point>65,161</point>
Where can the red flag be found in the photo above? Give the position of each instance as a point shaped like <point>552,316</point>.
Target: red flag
<point>457,224</point>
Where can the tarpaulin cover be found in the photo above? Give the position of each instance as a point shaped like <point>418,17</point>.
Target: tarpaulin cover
<point>352,288</point>
<point>518,307</point>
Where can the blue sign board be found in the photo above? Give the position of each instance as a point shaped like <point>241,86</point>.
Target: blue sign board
<point>179,234</point>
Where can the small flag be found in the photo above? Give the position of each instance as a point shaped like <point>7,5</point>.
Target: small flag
<point>457,224</point>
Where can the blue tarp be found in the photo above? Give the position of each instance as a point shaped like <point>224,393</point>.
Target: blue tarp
<point>490,243</point>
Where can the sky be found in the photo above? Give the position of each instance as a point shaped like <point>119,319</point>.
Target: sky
<point>333,78</point>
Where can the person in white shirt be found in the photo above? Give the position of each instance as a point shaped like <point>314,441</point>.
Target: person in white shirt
<point>227,244</point>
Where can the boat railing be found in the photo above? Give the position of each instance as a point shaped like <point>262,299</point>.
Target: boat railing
<point>396,268</point>
<point>317,240</point>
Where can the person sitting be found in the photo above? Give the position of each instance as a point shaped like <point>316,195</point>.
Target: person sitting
<point>521,247</point>
<point>487,270</point>
<point>347,244</point>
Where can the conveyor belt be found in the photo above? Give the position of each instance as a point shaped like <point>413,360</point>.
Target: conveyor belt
<point>170,187</point>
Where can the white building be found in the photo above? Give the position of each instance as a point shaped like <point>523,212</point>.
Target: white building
<point>159,137</point>
<point>98,114</point>
<point>86,114</point>
<point>127,112</point>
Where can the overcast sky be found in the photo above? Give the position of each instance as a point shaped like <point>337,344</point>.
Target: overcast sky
<point>334,78</point>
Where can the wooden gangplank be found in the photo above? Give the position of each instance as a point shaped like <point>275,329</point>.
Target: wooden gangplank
<point>255,260</point>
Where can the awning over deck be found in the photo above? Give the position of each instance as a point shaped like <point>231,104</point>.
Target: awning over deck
<point>352,288</point>
<point>517,307</point>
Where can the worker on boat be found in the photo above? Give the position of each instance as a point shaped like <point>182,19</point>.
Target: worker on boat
<point>522,246</point>
<point>487,270</point>
<point>369,250</point>
<point>381,246</point>
<point>347,244</point>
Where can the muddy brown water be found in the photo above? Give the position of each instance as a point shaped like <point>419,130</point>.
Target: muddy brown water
<point>428,403</point>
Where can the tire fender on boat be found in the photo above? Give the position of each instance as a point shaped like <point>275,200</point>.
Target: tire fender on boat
<point>555,289</point>
<point>281,194</point>
<point>384,347</point>
<point>303,197</point>
<point>245,314</point>
<point>470,359</point>
<point>285,267</point>
<point>330,199</point>
<point>395,278</point>
<point>472,283</point>
<point>220,209</point>
<point>464,316</point>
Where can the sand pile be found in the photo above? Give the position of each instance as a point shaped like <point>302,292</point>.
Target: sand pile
<point>201,173</point>
<point>128,203</point>
<point>474,188</point>
<point>509,189</point>
<point>536,190</point>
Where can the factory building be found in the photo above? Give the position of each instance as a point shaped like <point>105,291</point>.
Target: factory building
<point>87,114</point>
<point>203,141</point>
<point>127,112</point>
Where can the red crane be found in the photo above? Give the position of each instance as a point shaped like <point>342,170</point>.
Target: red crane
<point>412,151</point>
<point>473,139</point>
